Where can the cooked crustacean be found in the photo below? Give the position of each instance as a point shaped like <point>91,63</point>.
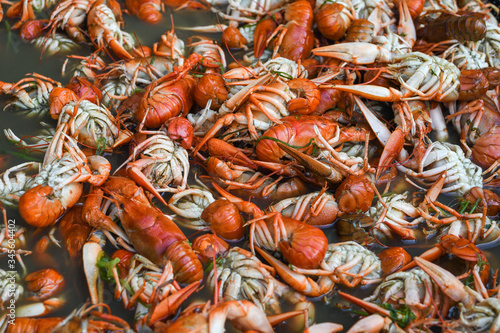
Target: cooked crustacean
<point>250,153</point>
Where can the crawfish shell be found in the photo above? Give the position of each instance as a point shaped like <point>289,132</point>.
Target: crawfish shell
<point>331,23</point>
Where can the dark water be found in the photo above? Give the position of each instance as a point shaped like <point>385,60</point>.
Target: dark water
<point>17,59</point>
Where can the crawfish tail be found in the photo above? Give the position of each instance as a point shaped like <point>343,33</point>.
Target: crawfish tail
<point>187,266</point>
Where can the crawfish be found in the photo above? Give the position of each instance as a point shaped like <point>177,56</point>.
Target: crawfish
<point>156,237</point>
<point>463,28</point>
<point>475,83</point>
<point>169,96</point>
<point>298,40</point>
<point>59,97</point>
<point>74,231</point>
<point>79,320</point>
<point>69,15</point>
<point>60,181</point>
<point>300,132</point>
<point>209,246</point>
<point>43,284</point>
<point>333,19</point>
<point>30,93</point>
<point>301,244</point>
<point>361,30</point>
<point>148,11</point>
<point>211,86</point>
<point>477,122</point>
<point>354,194</point>
<point>103,23</point>
<point>317,208</point>
<point>263,30</point>
<point>246,182</point>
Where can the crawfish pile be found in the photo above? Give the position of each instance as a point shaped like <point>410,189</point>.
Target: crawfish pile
<point>376,123</point>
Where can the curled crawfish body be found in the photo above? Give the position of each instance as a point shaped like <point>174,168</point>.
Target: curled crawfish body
<point>475,82</point>
<point>352,264</point>
<point>164,162</point>
<point>302,245</point>
<point>40,207</point>
<point>462,28</point>
<point>32,29</point>
<point>210,87</point>
<point>415,288</point>
<point>224,219</point>
<point>90,123</point>
<point>180,129</point>
<point>209,246</point>
<point>333,19</point>
<point>318,209</point>
<point>58,98</point>
<point>104,21</point>
<point>242,275</point>
<point>148,11</point>
<point>473,85</point>
<point>478,124</point>
<point>308,96</point>
<point>354,194</point>
<point>394,220</point>
<point>393,259</point>
<point>84,89</point>
<point>485,150</point>
<point>348,263</point>
<point>233,39</point>
<point>74,231</point>
<point>165,100</point>
<point>69,15</point>
<point>361,30</point>
<point>43,284</point>
<point>299,38</point>
<point>295,131</point>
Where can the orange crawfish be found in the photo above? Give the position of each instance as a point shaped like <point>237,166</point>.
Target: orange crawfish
<point>155,236</point>
<point>148,11</point>
<point>169,96</point>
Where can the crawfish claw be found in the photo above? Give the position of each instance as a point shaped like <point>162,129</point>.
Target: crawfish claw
<point>446,281</point>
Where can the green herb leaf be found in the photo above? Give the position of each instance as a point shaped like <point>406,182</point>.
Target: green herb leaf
<point>22,155</point>
<point>360,313</point>
<point>9,33</point>
<point>105,265</point>
<point>469,281</point>
<point>475,205</point>
<point>138,90</point>
<point>402,316</point>
<point>100,146</point>
<point>211,265</point>
<point>283,75</point>
<point>127,286</point>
